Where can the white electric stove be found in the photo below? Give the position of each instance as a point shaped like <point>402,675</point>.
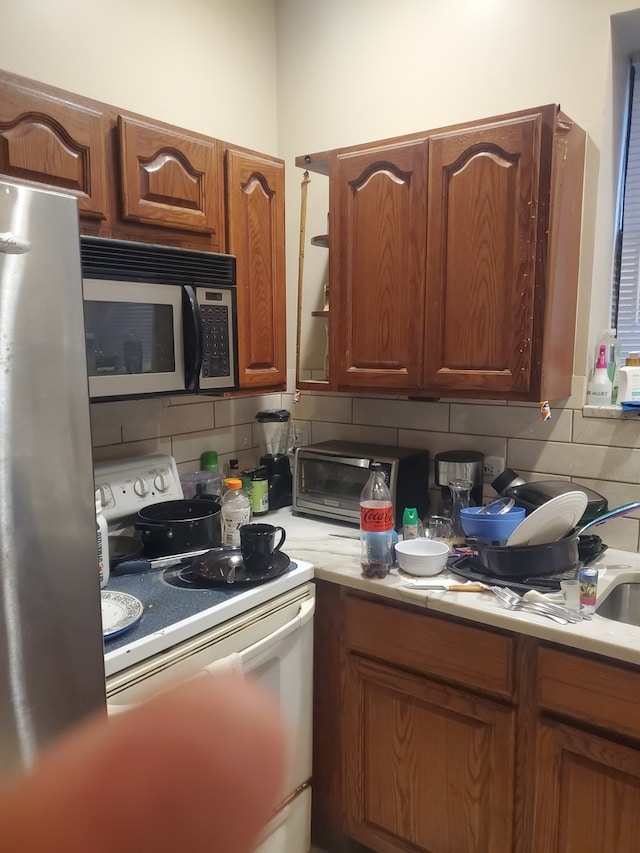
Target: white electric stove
<point>187,630</point>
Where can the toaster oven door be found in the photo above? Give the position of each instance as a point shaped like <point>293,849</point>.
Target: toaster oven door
<point>329,485</point>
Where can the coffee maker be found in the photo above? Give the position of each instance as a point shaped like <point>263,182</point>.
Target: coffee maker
<point>458,465</point>
<point>275,436</point>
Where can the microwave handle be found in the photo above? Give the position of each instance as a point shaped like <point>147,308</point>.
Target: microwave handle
<point>359,462</point>
<point>192,334</point>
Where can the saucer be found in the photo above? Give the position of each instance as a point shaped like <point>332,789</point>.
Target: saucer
<point>217,566</point>
<point>120,612</point>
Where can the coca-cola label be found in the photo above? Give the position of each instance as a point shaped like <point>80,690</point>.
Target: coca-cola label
<point>376,519</point>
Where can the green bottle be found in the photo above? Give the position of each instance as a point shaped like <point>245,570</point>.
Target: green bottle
<point>410,523</point>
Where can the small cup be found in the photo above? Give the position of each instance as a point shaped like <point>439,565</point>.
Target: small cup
<point>439,527</point>
<point>257,544</point>
<point>571,591</point>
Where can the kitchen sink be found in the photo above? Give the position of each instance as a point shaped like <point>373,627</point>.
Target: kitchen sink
<point>622,603</point>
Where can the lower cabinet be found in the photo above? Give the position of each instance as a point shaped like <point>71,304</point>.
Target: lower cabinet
<point>430,767</point>
<point>587,793</point>
<point>437,735</point>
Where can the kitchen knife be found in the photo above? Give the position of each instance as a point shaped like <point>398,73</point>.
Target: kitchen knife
<point>142,564</point>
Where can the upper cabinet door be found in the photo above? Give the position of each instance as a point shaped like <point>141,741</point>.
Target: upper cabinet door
<point>56,143</point>
<point>481,258</point>
<point>169,178</point>
<point>377,266</point>
<point>255,235</point>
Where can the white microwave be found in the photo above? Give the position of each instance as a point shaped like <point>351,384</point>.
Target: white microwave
<point>158,319</point>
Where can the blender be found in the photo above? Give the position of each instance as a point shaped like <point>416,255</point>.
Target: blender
<point>275,436</point>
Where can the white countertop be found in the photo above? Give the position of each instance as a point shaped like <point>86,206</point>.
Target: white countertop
<point>337,560</point>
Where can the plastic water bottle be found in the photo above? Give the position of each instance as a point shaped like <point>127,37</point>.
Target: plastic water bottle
<point>102,536</point>
<point>235,511</point>
<point>376,525</point>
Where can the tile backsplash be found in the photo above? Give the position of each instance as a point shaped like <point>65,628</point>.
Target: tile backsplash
<point>603,454</point>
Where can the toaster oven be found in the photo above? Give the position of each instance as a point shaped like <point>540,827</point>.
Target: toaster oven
<point>329,476</point>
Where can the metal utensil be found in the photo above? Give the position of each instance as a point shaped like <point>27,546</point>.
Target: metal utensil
<point>142,564</point>
<point>512,601</point>
<point>450,587</point>
<point>497,507</point>
<point>234,562</point>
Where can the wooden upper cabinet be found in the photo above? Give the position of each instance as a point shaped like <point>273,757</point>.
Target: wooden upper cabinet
<point>169,177</point>
<point>54,142</point>
<point>255,235</point>
<point>454,259</point>
<point>481,258</point>
<point>377,264</point>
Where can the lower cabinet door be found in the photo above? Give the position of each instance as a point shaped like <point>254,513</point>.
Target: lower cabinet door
<point>587,796</point>
<point>427,767</point>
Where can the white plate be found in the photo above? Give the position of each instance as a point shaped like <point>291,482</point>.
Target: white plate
<point>551,521</point>
<point>120,612</point>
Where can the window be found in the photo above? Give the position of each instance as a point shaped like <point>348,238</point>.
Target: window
<point>626,296</point>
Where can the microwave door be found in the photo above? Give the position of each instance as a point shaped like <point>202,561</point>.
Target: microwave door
<point>134,338</point>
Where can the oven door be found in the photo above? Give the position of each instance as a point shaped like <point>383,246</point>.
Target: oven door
<point>134,338</point>
<point>273,644</point>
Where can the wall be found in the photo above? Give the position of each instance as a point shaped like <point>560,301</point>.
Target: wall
<point>368,69</point>
<point>292,76</point>
<point>207,65</point>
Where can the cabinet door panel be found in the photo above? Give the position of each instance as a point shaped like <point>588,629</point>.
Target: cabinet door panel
<point>55,143</point>
<point>427,768</point>
<point>483,191</point>
<point>255,233</point>
<point>378,263</point>
<point>169,178</point>
<point>587,793</point>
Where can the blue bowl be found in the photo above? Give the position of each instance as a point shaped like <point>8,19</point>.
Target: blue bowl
<point>491,528</point>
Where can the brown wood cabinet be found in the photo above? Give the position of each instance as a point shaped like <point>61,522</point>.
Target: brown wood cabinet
<point>437,734</point>
<point>255,208</point>
<point>140,179</point>
<point>52,141</point>
<point>169,178</point>
<point>454,263</point>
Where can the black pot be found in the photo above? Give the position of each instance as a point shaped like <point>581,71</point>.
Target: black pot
<point>526,561</point>
<point>518,562</point>
<point>174,527</point>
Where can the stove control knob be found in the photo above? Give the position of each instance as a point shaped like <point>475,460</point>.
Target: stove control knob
<point>161,482</point>
<point>141,488</point>
<point>106,497</point>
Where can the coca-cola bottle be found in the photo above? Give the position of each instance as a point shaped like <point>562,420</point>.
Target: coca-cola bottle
<point>376,525</point>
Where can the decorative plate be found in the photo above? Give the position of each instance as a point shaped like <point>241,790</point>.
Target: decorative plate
<point>120,612</point>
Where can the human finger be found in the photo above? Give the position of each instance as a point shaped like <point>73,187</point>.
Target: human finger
<point>199,768</point>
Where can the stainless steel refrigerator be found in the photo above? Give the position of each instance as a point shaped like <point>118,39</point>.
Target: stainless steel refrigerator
<point>51,652</point>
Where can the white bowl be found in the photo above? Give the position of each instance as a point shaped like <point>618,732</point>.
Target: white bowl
<point>422,557</point>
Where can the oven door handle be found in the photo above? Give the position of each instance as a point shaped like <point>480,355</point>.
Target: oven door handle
<point>248,655</point>
<point>267,644</point>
